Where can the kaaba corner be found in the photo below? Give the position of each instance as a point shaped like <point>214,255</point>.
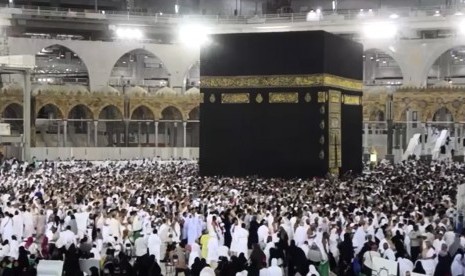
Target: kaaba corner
<point>281,105</point>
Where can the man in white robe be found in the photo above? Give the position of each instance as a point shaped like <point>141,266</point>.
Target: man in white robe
<point>212,256</point>
<point>193,229</point>
<point>241,236</point>
<point>7,227</point>
<point>18,225</point>
<point>28,224</point>
<point>154,245</point>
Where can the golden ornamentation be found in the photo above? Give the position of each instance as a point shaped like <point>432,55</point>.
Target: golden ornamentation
<point>322,154</point>
<point>285,97</point>
<point>322,139</point>
<point>322,97</point>
<point>334,97</point>
<point>322,110</point>
<point>275,81</point>
<point>322,124</point>
<point>308,97</point>
<point>202,97</point>
<point>351,100</point>
<point>235,98</point>
<point>334,143</point>
<point>259,98</point>
<point>212,98</point>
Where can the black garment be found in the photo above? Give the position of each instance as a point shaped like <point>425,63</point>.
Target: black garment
<point>398,241</point>
<point>196,267</point>
<point>419,268</point>
<point>297,260</point>
<point>443,266</point>
<point>346,250</point>
<point>415,251</point>
<point>71,264</point>
<point>253,233</point>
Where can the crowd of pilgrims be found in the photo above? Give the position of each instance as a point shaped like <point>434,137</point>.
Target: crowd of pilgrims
<point>144,217</point>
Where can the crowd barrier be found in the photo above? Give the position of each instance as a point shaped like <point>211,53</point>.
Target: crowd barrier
<point>113,153</point>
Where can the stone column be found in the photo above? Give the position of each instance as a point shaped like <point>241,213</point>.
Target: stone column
<point>365,142</point>
<point>126,133</point>
<point>27,133</point>
<point>88,133</point>
<point>147,133</point>
<point>65,133</point>
<point>156,134</point>
<point>58,132</point>
<point>184,125</point>
<point>396,129</point>
<point>95,133</point>
<point>139,134</point>
<point>456,138</point>
<point>423,138</point>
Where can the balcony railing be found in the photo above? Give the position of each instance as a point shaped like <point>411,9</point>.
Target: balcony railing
<point>323,16</point>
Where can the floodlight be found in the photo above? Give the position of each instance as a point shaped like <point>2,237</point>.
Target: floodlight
<point>129,33</point>
<point>193,35</point>
<point>380,30</point>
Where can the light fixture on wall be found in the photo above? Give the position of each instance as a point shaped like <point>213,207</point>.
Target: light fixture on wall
<point>193,35</point>
<point>129,33</point>
<point>380,30</point>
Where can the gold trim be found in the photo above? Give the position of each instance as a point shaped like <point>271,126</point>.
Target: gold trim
<point>212,98</point>
<point>334,128</point>
<point>322,97</point>
<point>352,100</point>
<point>235,98</point>
<point>259,98</point>
<point>276,81</point>
<point>285,97</point>
<point>308,97</point>
<point>202,96</point>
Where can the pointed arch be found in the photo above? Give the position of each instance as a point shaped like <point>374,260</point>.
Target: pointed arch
<point>443,114</point>
<point>377,115</point>
<point>194,114</point>
<point>448,67</point>
<point>80,111</point>
<point>171,113</point>
<point>110,112</point>
<point>13,111</point>
<point>58,64</point>
<point>49,111</point>
<point>142,112</point>
<point>139,66</point>
<point>381,68</point>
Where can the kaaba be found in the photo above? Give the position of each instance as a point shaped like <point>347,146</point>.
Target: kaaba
<point>280,105</point>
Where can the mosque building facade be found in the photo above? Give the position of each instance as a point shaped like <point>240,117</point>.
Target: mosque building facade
<point>131,81</point>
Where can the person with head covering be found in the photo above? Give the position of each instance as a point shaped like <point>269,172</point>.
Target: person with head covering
<point>457,268</point>
<point>257,257</point>
<point>204,243</point>
<point>444,262</point>
<point>368,259</point>
<point>346,250</point>
<point>241,237</point>
<point>274,269</point>
<point>405,265</point>
<point>154,245</point>
<point>213,247</point>
<point>253,232</point>
<point>296,260</point>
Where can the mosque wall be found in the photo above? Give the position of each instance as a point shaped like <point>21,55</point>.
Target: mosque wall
<point>100,57</point>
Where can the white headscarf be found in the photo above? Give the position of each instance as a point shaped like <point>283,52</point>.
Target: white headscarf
<point>274,269</point>
<point>457,266</point>
<point>207,271</point>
